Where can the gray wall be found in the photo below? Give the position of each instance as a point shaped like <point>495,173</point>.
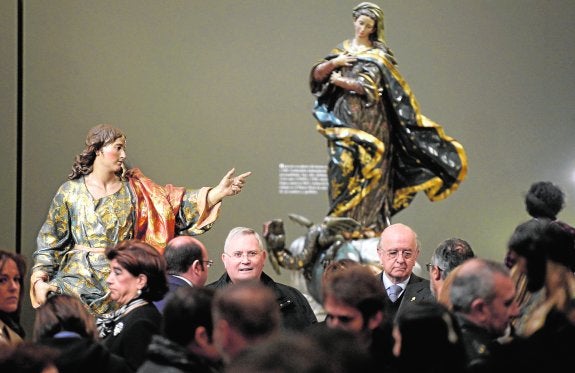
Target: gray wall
<point>203,86</point>
<point>8,112</point>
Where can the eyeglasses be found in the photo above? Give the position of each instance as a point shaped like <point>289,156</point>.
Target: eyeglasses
<point>238,255</point>
<point>429,266</point>
<point>392,254</point>
<point>208,263</point>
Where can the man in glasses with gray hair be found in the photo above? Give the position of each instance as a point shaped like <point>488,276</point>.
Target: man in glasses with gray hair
<point>398,250</point>
<point>448,255</point>
<point>244,257</point>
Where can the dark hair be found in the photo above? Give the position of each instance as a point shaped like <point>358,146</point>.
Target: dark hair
<point>561,246</point>
<point>526,241</point>
<point>97,137</point>
<point>187,309</point>
<point>287,353</point>
<point>338,265</point>
<point>538,240</point>
<point>63,312</point>
<point>13,318</point>
<point>451,253</point>
<point>357,287</point>
<point>418,352</point>
<point>249,307</point>
<point>27,357</point>
<point>181,255</point>
<point>544,200</point>
<point>346,351</point>
<point>139,258</point>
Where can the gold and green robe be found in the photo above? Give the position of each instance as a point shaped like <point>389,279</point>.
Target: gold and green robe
<point>78,227</point>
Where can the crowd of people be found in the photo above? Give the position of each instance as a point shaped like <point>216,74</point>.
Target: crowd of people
<point>119,277</point>
<point>472,315</point>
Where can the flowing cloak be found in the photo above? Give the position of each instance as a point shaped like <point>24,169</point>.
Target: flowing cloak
<point>382,149</point>
<point>77,228</point>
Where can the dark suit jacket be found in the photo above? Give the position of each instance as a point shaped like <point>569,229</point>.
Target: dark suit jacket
<point>417,290</point>
<point>295,309</point>
<point>173,284</point>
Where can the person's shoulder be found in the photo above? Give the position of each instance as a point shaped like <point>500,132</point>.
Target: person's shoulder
<point>419,286</point>
<point>146,313</point>
<point>285,289</point>
<point>415,280</point>
<point>71,186</point>
<point>223,281</point>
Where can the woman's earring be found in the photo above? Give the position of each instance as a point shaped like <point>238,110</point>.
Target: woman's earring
<point>139,292</point>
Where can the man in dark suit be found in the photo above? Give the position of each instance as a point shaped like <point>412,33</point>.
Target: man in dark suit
<point>398,250</point>
<point>187,265</point>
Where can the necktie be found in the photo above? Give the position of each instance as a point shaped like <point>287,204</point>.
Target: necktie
<point>393,292</point>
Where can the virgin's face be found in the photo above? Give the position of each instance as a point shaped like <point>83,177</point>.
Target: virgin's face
<point>364,27</point>
<point>123,285</point>
<point>112,156</point>
<point>9,287</point>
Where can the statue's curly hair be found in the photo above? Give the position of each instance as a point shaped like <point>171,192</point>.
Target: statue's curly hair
<point>98,137</point>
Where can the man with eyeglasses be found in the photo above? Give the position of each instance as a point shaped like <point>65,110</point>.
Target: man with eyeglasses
<point>398,250</point>
<point>187,265</point>
<point>448,255</point>
<point>244,258</point>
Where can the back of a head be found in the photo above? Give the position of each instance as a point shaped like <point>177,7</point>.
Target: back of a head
<point>451,253</point>
<point>538,241</point>
<point>286,353</point>
<point>249,307</point>
<point>64,313</point>
<point>560,247</point>
<point>544,200</point>
<point>27,357</point>
<point>186,309</point>
<point>430,337</point>
<point>345,349</point>
<point>180,254</point>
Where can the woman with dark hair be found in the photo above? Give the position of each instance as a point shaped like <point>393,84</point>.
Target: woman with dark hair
<point>428,339</point>
<point>545,331</point>
<point>526,257</point>
<point>545,255</point>
<point>64,324</point>
<point>137,278</point>
<point>102,204</point>
<point>12,271</point>
<point>382,149</point>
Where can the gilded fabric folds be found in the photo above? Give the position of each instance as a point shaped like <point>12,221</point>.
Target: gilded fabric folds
<point>382,150</point>
<point>163,211</point>
<point>78,228</point>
